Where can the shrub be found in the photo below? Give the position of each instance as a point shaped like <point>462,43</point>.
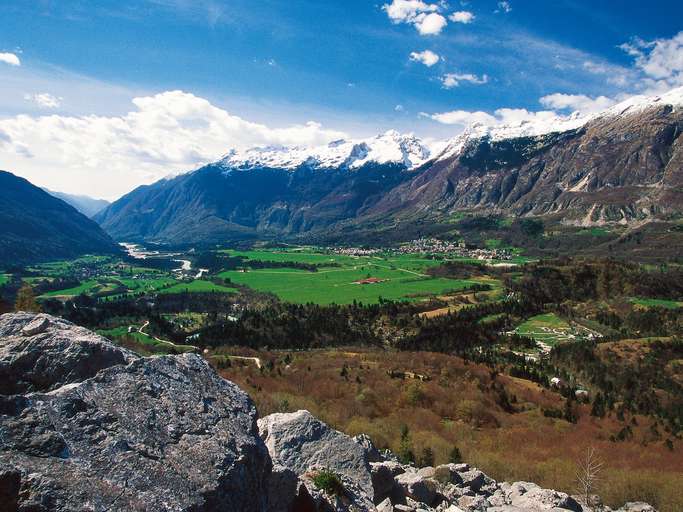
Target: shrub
<point>329,482</point>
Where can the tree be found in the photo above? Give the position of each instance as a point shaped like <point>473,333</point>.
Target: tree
<point>405,450</point>
<point>26,300</point>
<point>455,457</point>
<point>588,476</point>
<point>598,408</point>
<point>427,458</point>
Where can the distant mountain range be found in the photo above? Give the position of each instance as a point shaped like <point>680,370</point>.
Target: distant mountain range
<point>35,226</point>
<point>88,206</point>
<point>623,165</point>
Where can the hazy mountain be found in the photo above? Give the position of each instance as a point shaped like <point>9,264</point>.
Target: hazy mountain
<point>623,165</point>
<point>35,226</point>
<point>88,206</point>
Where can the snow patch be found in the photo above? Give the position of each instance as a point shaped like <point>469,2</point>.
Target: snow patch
<point>390,147</point>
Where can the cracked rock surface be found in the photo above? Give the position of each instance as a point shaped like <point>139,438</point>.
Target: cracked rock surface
<point>118,432</point>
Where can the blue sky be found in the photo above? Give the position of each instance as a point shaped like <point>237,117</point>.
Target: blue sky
<point>344,64</point>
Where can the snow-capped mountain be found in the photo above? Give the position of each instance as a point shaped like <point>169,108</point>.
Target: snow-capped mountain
<point>621,165</point>
<point>544,123</point>
<point>388,148</point>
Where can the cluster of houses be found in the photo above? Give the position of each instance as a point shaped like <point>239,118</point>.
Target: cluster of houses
<point>428,246</point>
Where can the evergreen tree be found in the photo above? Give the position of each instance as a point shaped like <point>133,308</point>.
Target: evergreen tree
<point>455,456</point>
<point>405,450</point>
<point>427,458</point>
<point>598,408</point>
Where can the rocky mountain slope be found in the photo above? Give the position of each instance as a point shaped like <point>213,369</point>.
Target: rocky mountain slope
<point>36,226</point>
<point>88,206</point>
<point>102,429</point>
<point>623,165</point>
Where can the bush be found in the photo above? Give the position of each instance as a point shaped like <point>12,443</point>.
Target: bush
<point>329,482</point>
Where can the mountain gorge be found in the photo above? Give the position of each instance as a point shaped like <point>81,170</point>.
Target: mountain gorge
<point>621,166</point>
<point>35,226</point>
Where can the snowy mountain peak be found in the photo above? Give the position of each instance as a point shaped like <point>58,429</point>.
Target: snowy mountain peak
<point>390,147</point>
<point>542,123</point>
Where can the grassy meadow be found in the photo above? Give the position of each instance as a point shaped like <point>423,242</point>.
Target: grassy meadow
<point>402,278</point>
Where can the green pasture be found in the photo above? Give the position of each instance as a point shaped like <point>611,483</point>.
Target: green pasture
<point>661,303</point>
<point>144,339</point>
<point>197,286</point>
<point>548,328</point>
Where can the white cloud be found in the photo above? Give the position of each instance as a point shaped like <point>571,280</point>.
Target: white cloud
<point>427,57</point>
<point>462,17</point>
<point>165,133</point>
<point>10,58</point>
<point>660,61</point>
<point>504,6</point>
<point>450,80</point>
<point>423,16</point>
<point>576,102</point>
<point>44,100</point>
<point>430,24</point>
<point>462,117</point>
<point>399,108</point>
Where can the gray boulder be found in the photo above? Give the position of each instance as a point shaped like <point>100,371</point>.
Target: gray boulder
<point>372,454</point>
<point>529,496</point>
<point>637,506</point>
<point>301,442</point>
<point>417,487</point>
<point>42,353</point>
<point>164,433</point>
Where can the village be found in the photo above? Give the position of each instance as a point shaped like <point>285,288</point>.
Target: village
<point>429,246</point>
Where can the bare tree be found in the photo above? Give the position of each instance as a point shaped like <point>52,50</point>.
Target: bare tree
<point>588,476</point>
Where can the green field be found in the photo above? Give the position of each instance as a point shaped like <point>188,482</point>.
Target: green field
<point>122,332</point>
<point>197,286</point>
<point>4,278</point>
<point>88,287</point>
<point>403,278</point>
<point>548,328</point>
<point>661,303</point>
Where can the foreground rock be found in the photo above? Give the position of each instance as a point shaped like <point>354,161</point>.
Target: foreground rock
<point>306,445</point>
<point>161,433</point>
<point>42,353</point>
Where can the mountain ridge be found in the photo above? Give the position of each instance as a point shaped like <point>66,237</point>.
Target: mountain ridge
<point>621,165</point>
<point>36,226</point>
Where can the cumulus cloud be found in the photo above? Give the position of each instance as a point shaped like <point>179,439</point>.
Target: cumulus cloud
<point>165,133</point>
<point>502,116</point>
<point>10,58</point>
<point>462,117</point>
<point>462,17</point>
<point>427,57</point>
<point>660,61</point>
<point>504,6</point>
<point>450,80</point>
<point>576,102</point>
<point>44,100</point>
<point>423,16</point>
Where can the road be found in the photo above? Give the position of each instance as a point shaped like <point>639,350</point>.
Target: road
<point>141,330</point>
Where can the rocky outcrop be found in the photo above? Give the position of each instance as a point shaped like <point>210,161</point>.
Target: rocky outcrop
<point>42,353</point>
<point>88,426</point>
<point>305,445</point>
<point>121,432</point>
